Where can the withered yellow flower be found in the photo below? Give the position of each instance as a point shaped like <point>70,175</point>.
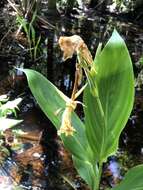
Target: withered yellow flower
<point>69,46</point>
<point>66,126</point>
<point>75,44</point>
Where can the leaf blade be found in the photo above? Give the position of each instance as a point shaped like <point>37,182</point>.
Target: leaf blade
<point>50,100</point>
<point>133,179</point>
<point>107,112</point>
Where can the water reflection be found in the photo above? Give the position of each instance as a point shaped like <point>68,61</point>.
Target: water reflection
<point>115,170</point>
<point>6,180</point>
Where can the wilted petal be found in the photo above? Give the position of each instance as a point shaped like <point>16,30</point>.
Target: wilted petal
<point>66,126</point>
<point>75,44</point>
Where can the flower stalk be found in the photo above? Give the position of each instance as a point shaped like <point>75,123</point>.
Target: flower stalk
<point>69,46</point>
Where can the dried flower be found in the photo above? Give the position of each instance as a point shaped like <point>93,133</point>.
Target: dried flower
<point>66,126</point>
<point>69,46</point>
<point>75,44</point>
<point>79,74</point>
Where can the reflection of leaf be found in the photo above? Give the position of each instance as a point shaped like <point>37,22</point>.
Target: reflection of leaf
<point>16,146</point>
<point>17,188</point>
<point>4,150</point>
<point>3,98</point>
<point>6,123</point>
<point>133,180</point>
<point>10,107</point>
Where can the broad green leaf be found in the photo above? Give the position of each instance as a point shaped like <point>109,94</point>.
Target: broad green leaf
<point>108,109</point>
<point>6,123</point>
<point>133,180</point>
<point>51,100</point>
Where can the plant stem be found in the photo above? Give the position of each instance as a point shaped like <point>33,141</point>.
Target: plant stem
<point>75,87</point>
<point>99,175</point>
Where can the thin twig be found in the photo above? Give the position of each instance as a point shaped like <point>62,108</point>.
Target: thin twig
<point>13,6</point>
<point>20,27</point>
<point>44,21</point>
<point>1,41</point>
<point>68,181</point>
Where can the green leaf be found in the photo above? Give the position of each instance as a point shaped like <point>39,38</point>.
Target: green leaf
<point>133,179</point>
<point>98,51</point>
<point>108,109</point>
<point>51,100</point>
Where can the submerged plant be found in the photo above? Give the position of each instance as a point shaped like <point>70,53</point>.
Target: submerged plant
<point>108,98</point>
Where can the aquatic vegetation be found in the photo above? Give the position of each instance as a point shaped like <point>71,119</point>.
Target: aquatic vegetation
<point>8,107</point>
<point>33,41</point>
<point>26,14</point>
<point>108,97</point>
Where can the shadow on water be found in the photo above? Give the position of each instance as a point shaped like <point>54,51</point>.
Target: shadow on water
<point>40,160</point>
